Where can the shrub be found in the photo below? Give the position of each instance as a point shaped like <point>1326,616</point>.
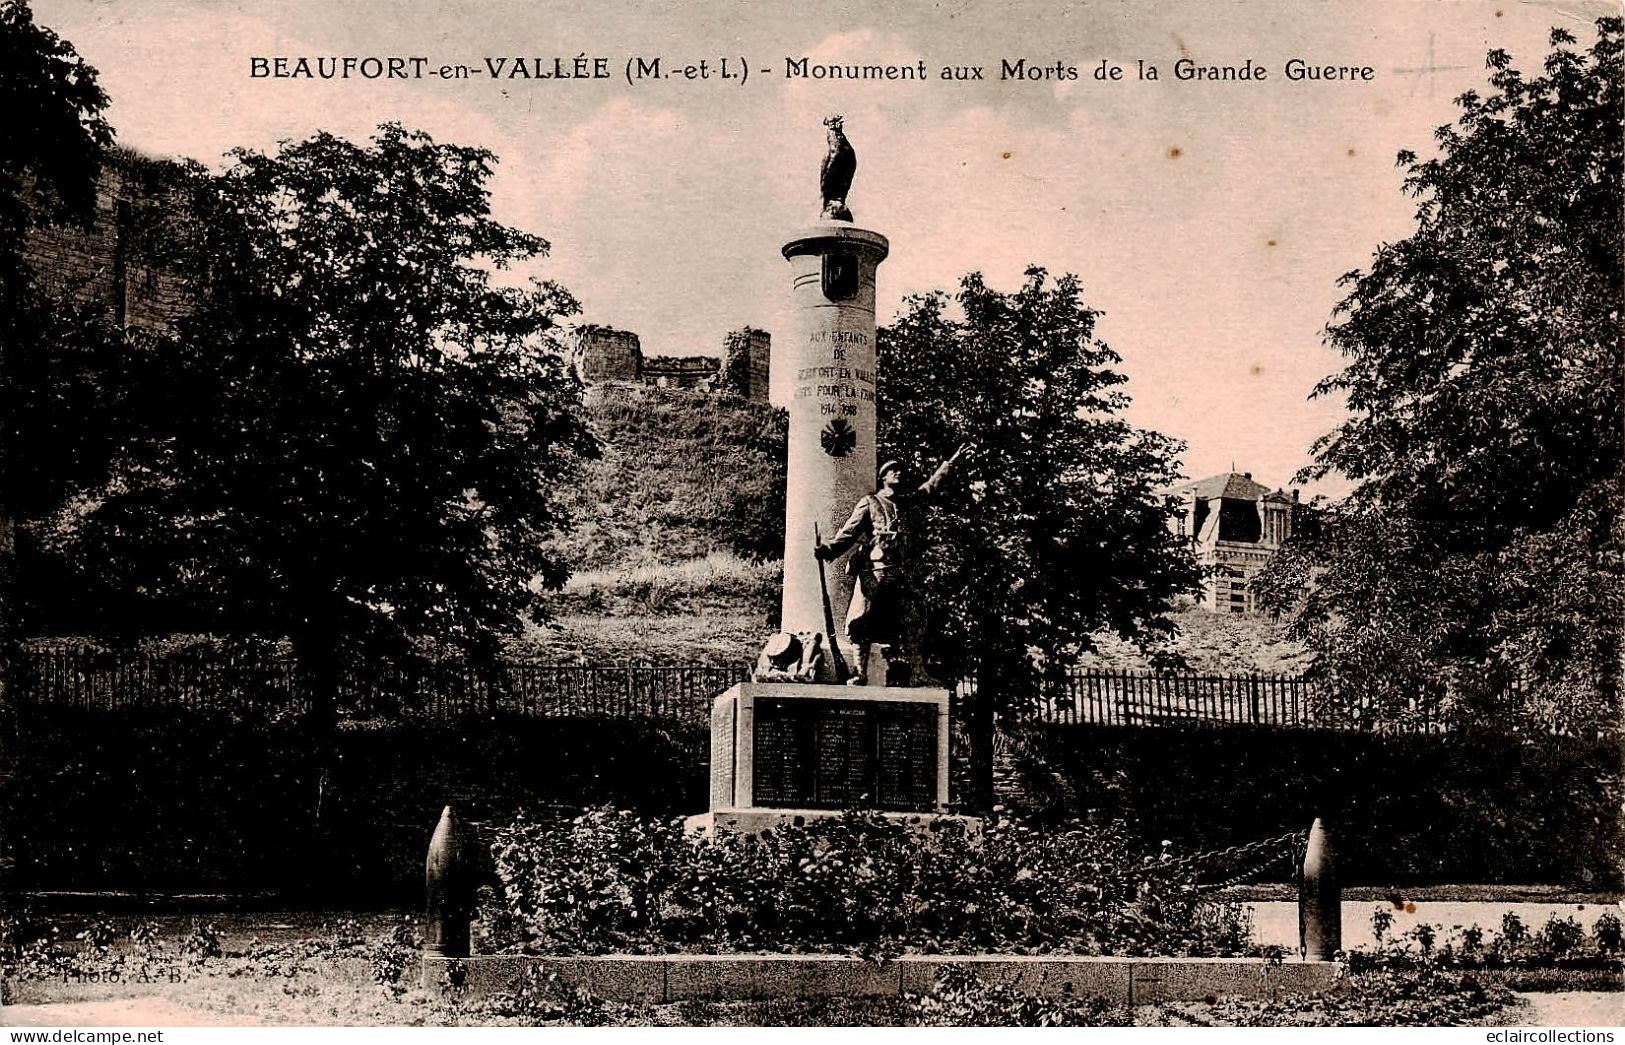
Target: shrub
<point>1558,937</point>
<point>30,948</point>
<point>1382,919</point>
<point>859,883</point>
<point>1607,934</point>
<point>391,959</point>
<point>98,936</point>
<point>347,933</point>
<point>1513,931</point>
<point>959,999</point>
<point>1424,935</point>
<point>201,944</point>
<point>542,997</point>
<point>1387,990</point>
<point>1561,956</point>
<point>144,935</point>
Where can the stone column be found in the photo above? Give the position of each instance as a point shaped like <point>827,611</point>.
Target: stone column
<point>831,354</point>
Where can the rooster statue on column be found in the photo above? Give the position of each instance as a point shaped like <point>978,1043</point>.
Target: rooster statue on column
<point>835,173</point>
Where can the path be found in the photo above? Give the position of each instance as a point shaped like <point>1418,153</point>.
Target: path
<point>117,1012</point>
<point>1576,1009</point>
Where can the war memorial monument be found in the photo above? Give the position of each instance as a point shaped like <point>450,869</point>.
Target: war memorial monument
<point>829,721</point>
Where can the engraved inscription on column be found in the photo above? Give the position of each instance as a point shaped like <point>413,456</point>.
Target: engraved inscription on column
<point>839,386</point>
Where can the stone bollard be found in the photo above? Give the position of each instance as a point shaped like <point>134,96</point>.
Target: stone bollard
<point>1320,899</point>
<point>448,879</point>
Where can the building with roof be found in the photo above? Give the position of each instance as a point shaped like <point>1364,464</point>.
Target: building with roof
<point>1235,525</point>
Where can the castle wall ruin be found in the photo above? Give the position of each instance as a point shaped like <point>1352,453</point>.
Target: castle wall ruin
<point>606,354</point>
<point>110,263</point>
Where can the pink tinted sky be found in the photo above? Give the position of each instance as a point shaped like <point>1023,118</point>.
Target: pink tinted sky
<point>1208,221</point>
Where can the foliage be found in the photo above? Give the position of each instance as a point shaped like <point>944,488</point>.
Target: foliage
<point>860,883</point>
<point>202,943</point>
<point>1055,530</point>
<point>684,475</point>
<point>657,588</point>
<point>1208,789</point>
<point>1382,994</point>
<point>53,136</point>
<point>52,148</point>
<point>356,438</point>
<point>1482,542</point>
<point>959,998</point>
<point>1559,944</point>
<point>1560,956</point>
<point>542,997</point>
<point>310,979</point>
<point>51,143</point>
<point>393,959</point>
<point>1607,932</point>
<point>69,356</point>
<point>33,948</point>
<point>1379,996</point>
<point>176,800</point>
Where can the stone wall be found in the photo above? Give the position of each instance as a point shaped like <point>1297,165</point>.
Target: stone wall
<point>1410,809</point>
<point>681,371</point>
<point>110,264</point>
<point>607,354</point>
<point>746,369</point>
<point>179,800</point>
<point>172,799</point>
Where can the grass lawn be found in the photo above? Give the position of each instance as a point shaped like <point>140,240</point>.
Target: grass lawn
<point>716,610</point>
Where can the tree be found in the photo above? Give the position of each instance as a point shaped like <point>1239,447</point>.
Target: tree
<point>51,147</point>
<point>51,143</point>
<point>1481,545</point>
<point>1059,532</point>
<point>356,440</point>
<point>52,139</point>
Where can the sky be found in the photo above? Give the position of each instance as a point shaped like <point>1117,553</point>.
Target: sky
<point>1209,221</point>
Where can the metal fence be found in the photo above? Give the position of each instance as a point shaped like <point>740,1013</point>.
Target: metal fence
<point>1143,698</point>
<point>1131,698</point>
<point>216,678</point>
<point>209,678</point>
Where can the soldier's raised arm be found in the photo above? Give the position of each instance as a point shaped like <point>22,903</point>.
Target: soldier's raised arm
<point>942,469</point>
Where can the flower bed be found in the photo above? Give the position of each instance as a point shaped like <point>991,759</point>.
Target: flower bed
<point>858,884</point>
<point>1560,955</point>
<point>359,973</point>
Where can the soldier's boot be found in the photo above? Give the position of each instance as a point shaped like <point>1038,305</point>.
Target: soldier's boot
<point>860,676</point>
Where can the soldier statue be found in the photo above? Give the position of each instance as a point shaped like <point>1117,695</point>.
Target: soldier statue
<point>872,534</point>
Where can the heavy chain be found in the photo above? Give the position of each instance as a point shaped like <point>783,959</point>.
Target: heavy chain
<point>1271,849</point>
<point>1252,871</point>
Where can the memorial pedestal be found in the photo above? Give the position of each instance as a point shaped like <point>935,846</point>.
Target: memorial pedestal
<point>789,753</point>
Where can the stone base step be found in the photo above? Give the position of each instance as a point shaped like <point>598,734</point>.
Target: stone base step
<point>657,979</point>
